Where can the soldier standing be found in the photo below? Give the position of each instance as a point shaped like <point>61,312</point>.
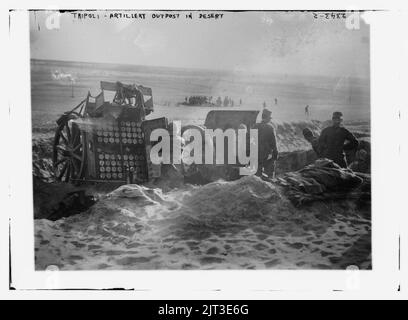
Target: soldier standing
<point>267,147</point>
<point>335,139</point>
<point>219,102</point>
<point>307,111</point>
<point>226,101</point>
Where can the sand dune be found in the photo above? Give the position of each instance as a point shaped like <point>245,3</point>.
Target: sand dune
<point>244,224</point>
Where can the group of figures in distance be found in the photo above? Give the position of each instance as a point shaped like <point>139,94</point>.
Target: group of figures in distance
<point>203,101</point>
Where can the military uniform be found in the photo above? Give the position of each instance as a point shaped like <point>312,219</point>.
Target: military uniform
<point>332,143</point>
<point>266,145</point>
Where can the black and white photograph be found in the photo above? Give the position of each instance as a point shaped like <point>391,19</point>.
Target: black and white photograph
<point>178,140</point>
<point>204,155</point>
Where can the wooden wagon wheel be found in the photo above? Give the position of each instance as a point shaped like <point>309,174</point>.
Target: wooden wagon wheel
<point>68,149</point>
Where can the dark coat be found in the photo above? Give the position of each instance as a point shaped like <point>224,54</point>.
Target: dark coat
<point>266,141</point>
<point>332,142</point>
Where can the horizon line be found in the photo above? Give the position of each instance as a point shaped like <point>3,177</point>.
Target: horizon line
<point>201,69</point>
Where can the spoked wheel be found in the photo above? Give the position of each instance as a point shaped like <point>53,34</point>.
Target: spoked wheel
<point>68,150</point>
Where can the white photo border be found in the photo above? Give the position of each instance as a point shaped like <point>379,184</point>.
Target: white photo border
<point>389,223</point>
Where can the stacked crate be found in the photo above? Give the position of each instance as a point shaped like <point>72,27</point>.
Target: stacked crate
<point>133,150</point>
<point>118,148</point>
<point>120,151</point>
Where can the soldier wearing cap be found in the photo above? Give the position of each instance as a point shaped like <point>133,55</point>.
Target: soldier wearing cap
<point>267,148</point>
<point>335,139</point>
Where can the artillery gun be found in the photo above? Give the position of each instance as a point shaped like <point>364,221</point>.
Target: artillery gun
<point>101,140</point>
<point>109,141</point>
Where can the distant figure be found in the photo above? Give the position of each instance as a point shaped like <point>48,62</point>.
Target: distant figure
<point>276,101</point>
<point>267,147</point>
<point>333,140</point>
<point>219,101</point>
<point>264,104</point>
<point>226,101</point>
<point>186,99</point>
<point>307,111</point>
<point>240,101</point>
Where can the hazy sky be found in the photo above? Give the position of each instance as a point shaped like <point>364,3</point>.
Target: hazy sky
<point>264,42</point>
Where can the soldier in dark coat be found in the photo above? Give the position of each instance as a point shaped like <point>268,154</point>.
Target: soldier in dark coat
<point>267,147</point>
<point>335,139</point>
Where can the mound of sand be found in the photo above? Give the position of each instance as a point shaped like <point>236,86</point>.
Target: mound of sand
<point>245,224</point>
<point>289,135</point>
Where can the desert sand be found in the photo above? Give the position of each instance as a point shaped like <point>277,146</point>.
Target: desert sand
<point>243,224</point>
<point>246,224</point>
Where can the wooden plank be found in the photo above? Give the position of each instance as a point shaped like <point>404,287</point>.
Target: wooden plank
<point>99,100</point>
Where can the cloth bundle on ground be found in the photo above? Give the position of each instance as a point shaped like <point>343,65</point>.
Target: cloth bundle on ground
<point>56,200</point>
<point>324,180</point>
